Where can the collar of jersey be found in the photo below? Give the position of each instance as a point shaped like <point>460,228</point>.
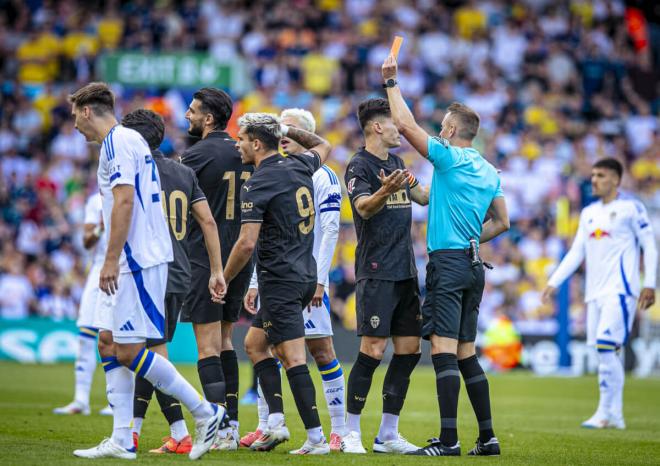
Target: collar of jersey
<point>378,159</point>
<point>218,134</point>
<point>112,130</point>
<point>270,160</point>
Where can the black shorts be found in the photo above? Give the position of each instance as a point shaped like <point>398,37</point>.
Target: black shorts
<point>453,292</point>
<point>388,308</point>
<point>173,304</point>
<point>198,307</point>
<point>280,314</point>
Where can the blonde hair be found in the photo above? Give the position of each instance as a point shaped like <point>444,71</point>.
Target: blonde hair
<point>304,117</point>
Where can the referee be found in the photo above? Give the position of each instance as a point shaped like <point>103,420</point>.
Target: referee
<point>465,189</point>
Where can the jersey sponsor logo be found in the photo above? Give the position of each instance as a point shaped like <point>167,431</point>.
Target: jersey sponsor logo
<point>398,199</point>
<point>247,205</point>
<point>350,186</point>
<point>374,321</point>
<point>600,234</point>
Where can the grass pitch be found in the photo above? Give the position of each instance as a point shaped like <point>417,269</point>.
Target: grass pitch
<point>536,419</point>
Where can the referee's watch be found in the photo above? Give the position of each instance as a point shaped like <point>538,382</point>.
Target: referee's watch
<point>389,83</point>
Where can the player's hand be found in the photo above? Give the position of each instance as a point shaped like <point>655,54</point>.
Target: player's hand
<point>317,300</point>
<point>389,68</point>
<point>548,294</point>
<point>217,287</point>
<point>646,299</point>
<point>394,182</point>
<point>250,301</point>
<point>108,279</point>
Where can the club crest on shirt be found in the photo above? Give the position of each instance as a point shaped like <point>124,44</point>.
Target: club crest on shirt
<point>374,321</point>
<point>350,186</point>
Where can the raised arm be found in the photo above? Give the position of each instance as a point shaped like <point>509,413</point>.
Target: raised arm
<point>498,222</point>
<point>309,141</point>
<point>401,114</point>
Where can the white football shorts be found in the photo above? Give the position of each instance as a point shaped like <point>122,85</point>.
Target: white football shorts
<point>318,323</point>
<point>610,319</point>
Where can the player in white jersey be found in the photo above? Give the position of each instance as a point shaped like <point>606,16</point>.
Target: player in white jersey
<point>609,237</point>
<point>94,240</point>
<point>133,276</point>
<point>318,323</point>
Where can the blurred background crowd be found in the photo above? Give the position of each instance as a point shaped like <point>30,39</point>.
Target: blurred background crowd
<point>557,84</point>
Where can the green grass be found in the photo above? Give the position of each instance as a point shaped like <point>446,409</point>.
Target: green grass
<point>536,419</point>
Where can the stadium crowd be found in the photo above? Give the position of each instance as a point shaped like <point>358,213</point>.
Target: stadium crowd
<point>557,85</point>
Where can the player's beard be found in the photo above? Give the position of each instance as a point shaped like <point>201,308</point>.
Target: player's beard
<point>195,131</point>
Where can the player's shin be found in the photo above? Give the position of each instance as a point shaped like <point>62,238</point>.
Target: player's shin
<point>120,389</point>
<point>304,394</point>
<point>359,383</point>
<point>164,376</point>
<point>448,385</point>
<point>230,370</point>
<point>395,389</point>
<point>143,393</point>
<point>476,385</point>
<point>332,376</point>
<point>85,364</point>
<point>270,382</point>
<point>171,409</point>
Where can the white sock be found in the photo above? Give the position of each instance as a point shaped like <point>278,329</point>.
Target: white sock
<point>137,424</point>
<point>389,427</point>
<point>84,367</point>
<point>611,379</point>
<point>234,425</point>
<point>262,409</point>
<point>275,419</point>
<point>164,377</point>
<point>315,434</point>
<point>120,384</point>
<point>178,430</point>
<point>334,391</point>
<point>353,423</point>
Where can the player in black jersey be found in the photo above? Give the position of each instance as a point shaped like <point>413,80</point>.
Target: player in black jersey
<point>221,174</point>
<point>180,196</point>
<point>387,294</point>
<point>277,214</point>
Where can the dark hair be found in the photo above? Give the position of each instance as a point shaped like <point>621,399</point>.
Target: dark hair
<point>610,164</point>
<point>97,96</point>
<point>216,102</point>
<point>372,108</point>
<point>467,120</point>
<point>148,123</point>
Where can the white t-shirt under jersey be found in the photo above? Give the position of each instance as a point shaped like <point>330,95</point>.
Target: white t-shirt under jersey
<point>94,216</point>
<point>609,237</point>
<point>126,159</point>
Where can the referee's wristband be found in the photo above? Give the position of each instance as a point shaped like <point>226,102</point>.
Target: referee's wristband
<point>412,181</point>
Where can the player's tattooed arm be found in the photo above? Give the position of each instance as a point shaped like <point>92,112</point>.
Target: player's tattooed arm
<point>309,141</point>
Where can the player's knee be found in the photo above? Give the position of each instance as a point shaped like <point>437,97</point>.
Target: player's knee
<point>105,345</point>
<point>126,355</point>
<point>374,348</point>
<point>322,355</point>
<point>466,349</point>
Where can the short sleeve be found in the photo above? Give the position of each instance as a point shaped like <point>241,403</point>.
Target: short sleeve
<point>254,201</point>
<point>93,210</point>
<point>441,154</point>
<point>197,193</point>
<point>122,160</point>
<point>357,181</point>
<point>311,158</point>
<point>498,189</point>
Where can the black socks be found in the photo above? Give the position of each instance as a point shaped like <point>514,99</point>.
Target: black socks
<point>476,385</point>
<point>212,379</point>
<point>230,370</point>
<point>448,384</point>
<point>359,382</point>
<point>397,380</point>
<point>170,406</point>
<point>304,394</point>
<point>271,384</point>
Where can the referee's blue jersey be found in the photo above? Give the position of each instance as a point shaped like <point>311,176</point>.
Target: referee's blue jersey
<point>464,185</point>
